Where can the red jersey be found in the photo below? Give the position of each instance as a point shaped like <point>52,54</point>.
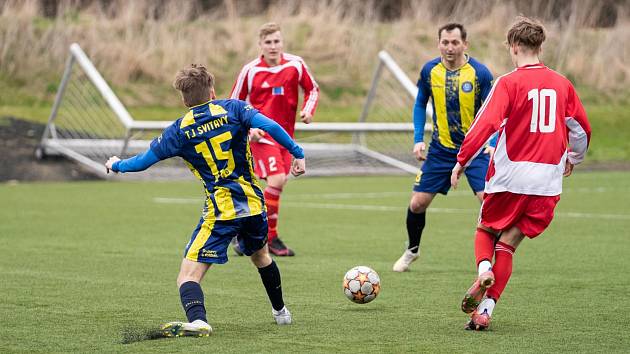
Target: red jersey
<point>539,117</point>
<point>274,90</point>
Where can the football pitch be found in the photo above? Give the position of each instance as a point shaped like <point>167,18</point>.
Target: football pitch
<point>91,267</point>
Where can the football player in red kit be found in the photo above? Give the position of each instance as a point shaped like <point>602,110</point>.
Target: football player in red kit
<point>543,133</point>
<point>271,84</point>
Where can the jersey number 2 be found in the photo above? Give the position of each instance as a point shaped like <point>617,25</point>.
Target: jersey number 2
<point>221,155</point>
<point>543,120</point>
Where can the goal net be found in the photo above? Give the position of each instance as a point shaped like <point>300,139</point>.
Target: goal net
<point>88,124</point>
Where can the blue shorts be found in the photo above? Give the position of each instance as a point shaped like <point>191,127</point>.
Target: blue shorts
<point>211,238</point>
<point>435,176</point>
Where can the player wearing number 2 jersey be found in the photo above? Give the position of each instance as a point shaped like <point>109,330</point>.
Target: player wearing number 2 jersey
<point>543,133</point>
<point>212,138</point>
<point>271,84</point>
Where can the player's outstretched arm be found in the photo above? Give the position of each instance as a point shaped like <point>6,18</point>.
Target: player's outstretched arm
<point>134,164</point>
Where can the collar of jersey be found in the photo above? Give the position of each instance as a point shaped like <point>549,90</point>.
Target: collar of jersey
<point>466,62</point>
<point>200,106</point>
<point>538,65</point>
<point>264,62</point>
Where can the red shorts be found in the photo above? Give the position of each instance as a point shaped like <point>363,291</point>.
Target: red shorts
<point>270,159</point>
<point>532,214</point>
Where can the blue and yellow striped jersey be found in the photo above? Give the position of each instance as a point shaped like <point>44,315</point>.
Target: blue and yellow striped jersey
<point>212,140</point>
<point>456,97</point>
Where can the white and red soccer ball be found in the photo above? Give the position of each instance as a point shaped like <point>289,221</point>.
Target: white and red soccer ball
<point>361,284</point>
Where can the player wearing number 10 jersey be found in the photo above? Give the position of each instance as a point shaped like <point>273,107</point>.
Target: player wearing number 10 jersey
<point>543,133</point>
<point>212,138</point>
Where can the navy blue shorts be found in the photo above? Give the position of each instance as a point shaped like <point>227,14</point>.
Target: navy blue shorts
<point>435,176</point>
<point>210,240</point>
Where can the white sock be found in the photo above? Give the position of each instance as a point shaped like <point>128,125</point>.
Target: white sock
<point>484,266</point>
<point>486,304</point>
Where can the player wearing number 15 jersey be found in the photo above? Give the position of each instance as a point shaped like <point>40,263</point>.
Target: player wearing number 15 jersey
<point>543,133</point>
<point>212,138</point>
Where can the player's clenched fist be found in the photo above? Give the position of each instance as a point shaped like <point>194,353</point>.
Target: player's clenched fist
<point>111,162</point>
<point>299,167</point>
<point>256,134</point>
<point>418,151</point>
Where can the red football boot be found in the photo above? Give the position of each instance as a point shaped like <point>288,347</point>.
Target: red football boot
<point>478,321</point>
<point>278,248</point>
<point>476,292</point>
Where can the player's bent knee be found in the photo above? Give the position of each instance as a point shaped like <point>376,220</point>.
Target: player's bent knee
<point>277,181</point>
<point>191,271</point>
<point>512,237</point>
<point>417,208</point>
<point>418,205</point>
<point>261,258</point>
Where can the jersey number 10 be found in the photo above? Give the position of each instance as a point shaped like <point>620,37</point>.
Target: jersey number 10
<point>543,117</point>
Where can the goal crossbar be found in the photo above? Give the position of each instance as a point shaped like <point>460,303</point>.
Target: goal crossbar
<point>87,140</point>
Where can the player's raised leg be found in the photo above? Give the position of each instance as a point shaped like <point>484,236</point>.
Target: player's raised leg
<point>502,270</point>
<point>484,253</point>
<point>504,250</point>
<point>416,219</point>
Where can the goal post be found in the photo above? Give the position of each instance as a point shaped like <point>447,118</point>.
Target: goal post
<point>88,123</point>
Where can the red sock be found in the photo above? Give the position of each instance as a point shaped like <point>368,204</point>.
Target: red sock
<point>502,269</point>
<point>484,245</point>
<point>272,200</point>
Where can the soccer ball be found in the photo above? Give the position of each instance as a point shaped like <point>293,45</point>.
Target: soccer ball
<point>361,284</point>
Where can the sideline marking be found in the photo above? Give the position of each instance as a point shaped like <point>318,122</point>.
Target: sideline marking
<point>362,207</point>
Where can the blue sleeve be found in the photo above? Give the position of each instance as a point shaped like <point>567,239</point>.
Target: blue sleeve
<point>137,163</point>
<point>277,133</point>
<point>486,86</point>
<point>169,143</point>
<point>486,83</point>
<point>493,140</point>
<point>420,107</point>
<point>245,113</point>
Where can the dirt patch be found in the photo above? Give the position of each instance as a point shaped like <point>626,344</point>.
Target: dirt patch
<point>18,141</point>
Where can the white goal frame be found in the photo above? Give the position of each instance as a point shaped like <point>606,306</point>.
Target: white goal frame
<point>75,149</point>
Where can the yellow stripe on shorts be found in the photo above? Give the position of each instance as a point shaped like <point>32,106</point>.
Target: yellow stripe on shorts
<point>200,239</point>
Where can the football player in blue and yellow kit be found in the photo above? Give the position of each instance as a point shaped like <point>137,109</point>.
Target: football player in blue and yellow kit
<point>457,85</point>
<point>212,138</point>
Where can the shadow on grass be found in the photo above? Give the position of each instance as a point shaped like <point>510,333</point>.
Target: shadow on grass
<point>137,334</point>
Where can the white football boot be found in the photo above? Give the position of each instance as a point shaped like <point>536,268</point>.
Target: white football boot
<point>196,328</point>
<point>282,317</point>
<point>402,264</point>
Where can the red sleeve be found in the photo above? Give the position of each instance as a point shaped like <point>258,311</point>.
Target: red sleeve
<point>578,127</point>
<point>311,90</point>
<point>487,122</point>
<point>240,89</point>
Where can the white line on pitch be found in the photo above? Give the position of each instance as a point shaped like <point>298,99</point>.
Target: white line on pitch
<point>360,195</point>
<point>162,200</point>
<point>364,207</point>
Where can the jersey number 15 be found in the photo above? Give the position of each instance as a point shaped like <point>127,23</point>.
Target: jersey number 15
<point>543,117</point>
<point>221,155</point>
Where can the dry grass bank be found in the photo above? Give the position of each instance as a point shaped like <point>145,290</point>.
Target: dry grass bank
<point>139,51</point>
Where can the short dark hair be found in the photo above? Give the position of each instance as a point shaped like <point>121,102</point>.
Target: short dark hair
<point>528,33</point>
<point>451,26</point>
<point>195,84</point>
